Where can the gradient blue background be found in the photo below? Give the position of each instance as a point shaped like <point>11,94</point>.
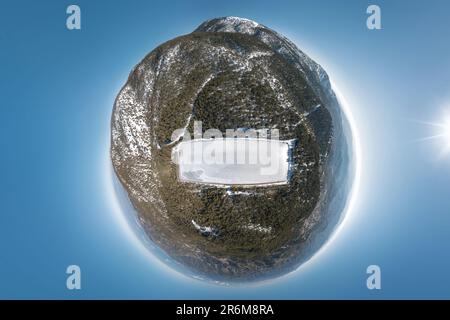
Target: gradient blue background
<point>56,94</point>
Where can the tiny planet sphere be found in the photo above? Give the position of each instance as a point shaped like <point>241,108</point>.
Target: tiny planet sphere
<point>226,223</point>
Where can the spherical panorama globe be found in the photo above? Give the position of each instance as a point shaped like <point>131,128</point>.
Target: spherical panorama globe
<point>232,86</point>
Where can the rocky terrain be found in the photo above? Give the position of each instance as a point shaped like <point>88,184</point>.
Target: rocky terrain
<point>232,73</point>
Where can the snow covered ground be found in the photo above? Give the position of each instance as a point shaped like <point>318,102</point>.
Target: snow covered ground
<point>236,161</point>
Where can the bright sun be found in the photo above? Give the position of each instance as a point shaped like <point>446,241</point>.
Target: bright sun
<point>440,133</point>
<point>445,133</point>
<point>447,130</point>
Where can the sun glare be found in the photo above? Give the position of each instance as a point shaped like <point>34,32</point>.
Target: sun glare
<point>440,133</point>
<point>447,131</point>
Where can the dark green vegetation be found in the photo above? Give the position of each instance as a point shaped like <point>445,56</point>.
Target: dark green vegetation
<point>227,81</point>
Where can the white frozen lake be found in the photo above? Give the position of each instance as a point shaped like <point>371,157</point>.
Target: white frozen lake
<point>235,161</point>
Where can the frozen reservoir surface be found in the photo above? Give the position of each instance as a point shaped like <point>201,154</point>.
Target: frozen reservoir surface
<point>234,161</point>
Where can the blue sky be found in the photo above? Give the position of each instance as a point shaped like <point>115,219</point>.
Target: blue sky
<point>57,91</point>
